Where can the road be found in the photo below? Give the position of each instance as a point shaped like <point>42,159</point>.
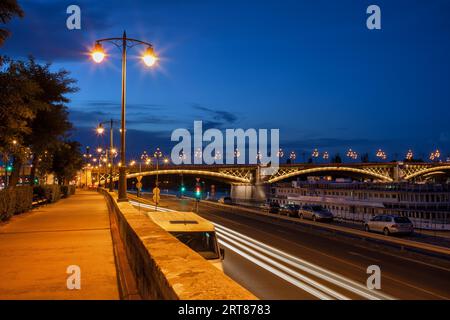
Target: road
<point>280,260</point>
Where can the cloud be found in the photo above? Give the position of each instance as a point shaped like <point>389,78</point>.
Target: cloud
<point>137,140</point>
<point>81,117</point>
<point>219,117</point>
<point>113,106</point>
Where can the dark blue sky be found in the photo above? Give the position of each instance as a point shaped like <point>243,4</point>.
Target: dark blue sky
<point>310,68</point>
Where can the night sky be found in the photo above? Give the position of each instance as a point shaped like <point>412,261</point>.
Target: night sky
<point>310,68</point>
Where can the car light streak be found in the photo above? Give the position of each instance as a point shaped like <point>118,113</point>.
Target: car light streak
<point>303,265</point>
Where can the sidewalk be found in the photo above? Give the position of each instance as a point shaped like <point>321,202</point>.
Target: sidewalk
<point>37,247</point>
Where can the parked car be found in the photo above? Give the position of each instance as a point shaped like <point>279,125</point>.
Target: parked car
<point>274,207</point>
<point>389,224</point>
<point>315,213</point>
<point>290,210</point>
<point>226,200</point>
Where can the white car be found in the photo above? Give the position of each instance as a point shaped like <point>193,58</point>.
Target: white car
<point>389,224</point>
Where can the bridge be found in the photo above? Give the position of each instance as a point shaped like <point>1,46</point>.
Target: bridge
<point>238,174</point>
<point>251,181</point>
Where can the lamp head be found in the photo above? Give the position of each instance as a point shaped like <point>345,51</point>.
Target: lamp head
<point>98,54</point>
<point>149,57</point>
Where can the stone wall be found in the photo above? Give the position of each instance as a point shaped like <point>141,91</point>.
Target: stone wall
<point>163,267</point>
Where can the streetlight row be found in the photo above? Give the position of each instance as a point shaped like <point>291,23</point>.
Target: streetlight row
<point>147,160</point>
<point>435,155</point>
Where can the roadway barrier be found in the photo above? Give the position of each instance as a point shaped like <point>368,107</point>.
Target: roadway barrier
<point>163,267</point>
<point>402,243</point>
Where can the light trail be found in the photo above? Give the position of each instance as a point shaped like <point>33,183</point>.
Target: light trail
<point>263,255</point>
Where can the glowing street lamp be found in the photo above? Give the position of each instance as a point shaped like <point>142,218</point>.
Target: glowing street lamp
<point>149,58</point>
<point>292,156</point>
<point>98,54</point>
<point>100,129</point>
<point>198,153</point>
<point>435,155</point>
<point>409,155</point>
<point>280,153</point>
<point>381,154</point>
<point>352,154</point>
<point>182,157</point>
<point>112,151</point>
<point>315,153</point>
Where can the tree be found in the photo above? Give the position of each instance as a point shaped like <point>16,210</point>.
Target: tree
<point>41,122</point>
<point>336,159</point>
<point>8,10</point>
<point>50,126</point>
<point>67,160</point>
<point>18,107</point>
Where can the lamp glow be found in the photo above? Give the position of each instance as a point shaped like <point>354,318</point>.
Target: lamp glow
<point>149,57</point>
<point>98,54</point>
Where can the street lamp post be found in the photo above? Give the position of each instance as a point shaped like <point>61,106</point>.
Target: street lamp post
<point>149,59</point>
<point>158,154</point>
<point>87,156</point>
<point>101,130</point>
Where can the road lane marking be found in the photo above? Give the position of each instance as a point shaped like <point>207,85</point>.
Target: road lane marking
<point>362,256</point>
<point>305,266</point>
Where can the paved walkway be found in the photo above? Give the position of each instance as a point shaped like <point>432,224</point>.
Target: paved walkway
<point>36,249</point>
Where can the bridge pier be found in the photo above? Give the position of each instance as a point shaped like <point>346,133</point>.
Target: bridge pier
<point>250,193</point>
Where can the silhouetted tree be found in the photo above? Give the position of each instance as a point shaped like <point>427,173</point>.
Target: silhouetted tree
<point>8,10</point>
<point>67,160</point>
<point>34,110</point>
<point>18,105</point>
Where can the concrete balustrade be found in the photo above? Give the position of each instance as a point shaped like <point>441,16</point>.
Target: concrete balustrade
<point>163,267</point>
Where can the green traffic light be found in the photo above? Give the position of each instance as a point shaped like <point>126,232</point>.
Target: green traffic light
<point>9,168</point>
<point>183,189</point>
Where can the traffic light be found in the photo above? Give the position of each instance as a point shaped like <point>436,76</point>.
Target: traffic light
<point>9,168</point>
<point>182,188</point>
<point>198,190</point>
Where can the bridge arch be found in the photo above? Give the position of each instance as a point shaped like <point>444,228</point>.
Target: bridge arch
<point>332,169</point>
<point>423,172</point>
<point>214,174</point>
